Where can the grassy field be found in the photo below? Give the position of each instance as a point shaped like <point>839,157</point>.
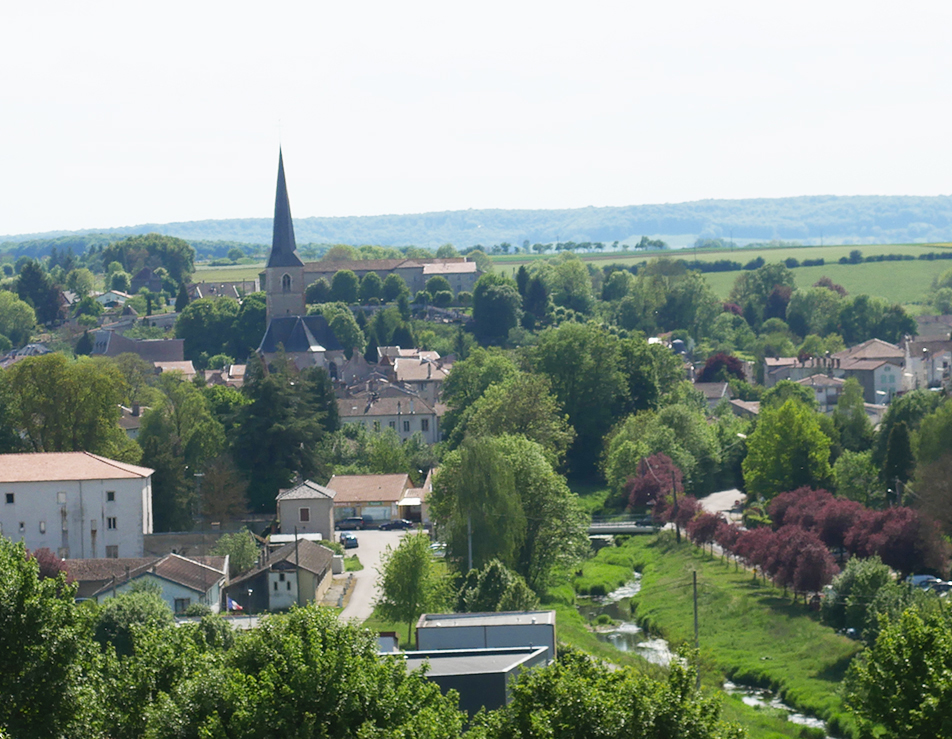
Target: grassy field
<point>749,631</point>
<point>204,273</point>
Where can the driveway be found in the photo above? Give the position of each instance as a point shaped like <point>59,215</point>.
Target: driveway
<point>371,546</point>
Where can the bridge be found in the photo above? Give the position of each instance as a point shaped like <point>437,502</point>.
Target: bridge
<point>622,525</point>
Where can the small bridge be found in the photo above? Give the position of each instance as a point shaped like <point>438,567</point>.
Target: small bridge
<point>622,525</point>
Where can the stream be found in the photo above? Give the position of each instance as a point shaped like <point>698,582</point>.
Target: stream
<point>627,636</point>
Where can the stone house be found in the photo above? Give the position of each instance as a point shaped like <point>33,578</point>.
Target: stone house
<point>307,508</point>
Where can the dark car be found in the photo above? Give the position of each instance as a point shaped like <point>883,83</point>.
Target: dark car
<point>351,523</point>
<point>397,523</point>
<point>348,541</point>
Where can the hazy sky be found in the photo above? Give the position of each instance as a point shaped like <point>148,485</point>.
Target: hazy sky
<point>116,114</point>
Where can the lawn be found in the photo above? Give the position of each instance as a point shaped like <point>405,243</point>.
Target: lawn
<point>749,631</point>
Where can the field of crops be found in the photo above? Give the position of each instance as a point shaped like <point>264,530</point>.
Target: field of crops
<point>204,273</point>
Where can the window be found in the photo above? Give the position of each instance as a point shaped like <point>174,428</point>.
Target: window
<point>61,498</point>
<point>182,604</point>
<point>424,424</point>
<point>275,584</point>
<point>304,514</point>
<point>22,526</point>
<point>406,425</point>
<point>289,584</point>
<point>393,424</point>
<point>110,496</point>
<point>376,425</point>
<point>112,552</point>
<point>9,497</point>
<point>281,576</point>
<point>42,527</point>
<point>93,525</point>
<point>111,522</point>
<point>286,283</point>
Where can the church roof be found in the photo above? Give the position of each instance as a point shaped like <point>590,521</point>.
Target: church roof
<point>283,248</point>
<point>299,334</point>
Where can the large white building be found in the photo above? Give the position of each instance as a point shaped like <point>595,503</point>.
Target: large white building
<point>78,505</point>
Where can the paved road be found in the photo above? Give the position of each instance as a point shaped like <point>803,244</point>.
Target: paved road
<point>722,502</point>
<point>371,545</point>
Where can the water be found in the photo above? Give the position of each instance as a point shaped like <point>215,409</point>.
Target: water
<point>761,698</point>
<point>626,636</point>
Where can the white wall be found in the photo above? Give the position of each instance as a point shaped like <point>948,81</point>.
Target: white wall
<point>171,591</point>
<point>79,528</point>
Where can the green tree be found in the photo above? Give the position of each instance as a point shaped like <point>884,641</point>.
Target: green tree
<point>583,366</point>
<point>371,287</point>
<point>536,303</point>
<point>856,432</point>
<point>901,683</point>
<point>857,478</point>
<point>81,281</point>
<point>122,617</point>
<point>497,307</point>
<point>17,318</point>
<point>752,288</point>
<point>249,325</point>
<point>43,648</point>
<point>120,281</point>
<point>787,450</point>
<point>786,390</point>
<point>900,461</point>
<point>36,288</point>
<point>410,582</point>
<point>935,434</point>
<point>393,287</point>
<point>317,292</point>
<point>343,325</point>
<point>344,287</point>
<point>471,378</point>
<point>910,409</point>
<point>206,326</point>
<point>495,588</point>
<point>153,250</point>
<point>447,251</point>
<point>181,300</point>
<point>84,347</point>
<point>436,284</point>
<point>64,406</point>
<point>241,550</point>
<point>568,283</point>
<point>853,592</point>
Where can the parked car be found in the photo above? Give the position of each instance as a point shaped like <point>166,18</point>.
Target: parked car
<point>351,523</point>
<point>395,524</point>
<point>348,541</point>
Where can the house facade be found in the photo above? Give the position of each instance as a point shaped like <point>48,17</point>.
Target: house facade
<point>307,508</point>
<point>296,574</point>
<point>373,496</point>
<point>393,408</point>
<point>77,504</point>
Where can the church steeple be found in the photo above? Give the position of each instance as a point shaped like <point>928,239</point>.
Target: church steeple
<point>283,248</point>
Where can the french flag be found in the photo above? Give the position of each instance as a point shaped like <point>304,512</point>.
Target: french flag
<point>232,606</point>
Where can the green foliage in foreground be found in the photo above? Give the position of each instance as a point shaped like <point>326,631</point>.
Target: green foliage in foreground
<point>748,630</point>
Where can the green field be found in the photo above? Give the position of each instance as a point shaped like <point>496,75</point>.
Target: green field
<point>749,631</point>
<point>204,273</point>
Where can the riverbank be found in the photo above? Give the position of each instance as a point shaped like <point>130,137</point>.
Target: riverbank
<point>749,631</point>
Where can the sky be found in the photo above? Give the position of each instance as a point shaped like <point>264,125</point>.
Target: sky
<point>118,114</point>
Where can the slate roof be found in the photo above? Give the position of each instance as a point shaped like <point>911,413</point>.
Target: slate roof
<point>283,248</point>
<point>363,488</point>
<point>713,390</point>
<point>313,558</point>
<point>367,405</point>
<point>56,466</point>
<point>872,349</point>
<point>299,334</point>
<point>188,573</point>
<point>821,381</point>
<point>307,490</point>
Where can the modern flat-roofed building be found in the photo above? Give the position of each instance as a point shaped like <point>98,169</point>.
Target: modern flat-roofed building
<point>487,630</point>
<point>78,505</point>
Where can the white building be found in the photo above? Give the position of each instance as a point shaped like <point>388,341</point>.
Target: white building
<point>77,504</point>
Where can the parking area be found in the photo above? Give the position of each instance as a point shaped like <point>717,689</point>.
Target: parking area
<point>371,544</point>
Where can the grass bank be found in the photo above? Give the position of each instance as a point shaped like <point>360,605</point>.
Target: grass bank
<point>749,631</point>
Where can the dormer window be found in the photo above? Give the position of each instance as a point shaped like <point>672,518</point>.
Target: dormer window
<point>286,283</point>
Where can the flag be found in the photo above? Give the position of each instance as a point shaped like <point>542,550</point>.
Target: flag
<point>232,606</point>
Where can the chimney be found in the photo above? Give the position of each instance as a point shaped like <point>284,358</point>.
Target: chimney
<point>429,370</point>
<point>135,410</point>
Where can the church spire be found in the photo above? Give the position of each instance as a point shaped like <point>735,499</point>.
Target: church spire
<point>283,248</point>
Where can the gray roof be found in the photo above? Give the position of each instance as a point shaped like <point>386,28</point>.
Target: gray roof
<point>314,558</point>
<point>283,248</point>
<point>307,490</point>
<point>501,618</point>
<point>470,661</point>
<point>299,334</point>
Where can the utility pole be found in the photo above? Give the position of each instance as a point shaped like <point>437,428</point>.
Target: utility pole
<point>697,642</point>
<point>677,526</point>
<point>297,567</point>
<point>469,538</point>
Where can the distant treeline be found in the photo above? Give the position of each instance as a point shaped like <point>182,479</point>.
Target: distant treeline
<point>849,220</point>
<point>79,244</point>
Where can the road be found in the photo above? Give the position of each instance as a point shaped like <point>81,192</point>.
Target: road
<point>722,502</point>
<point>371,546</point>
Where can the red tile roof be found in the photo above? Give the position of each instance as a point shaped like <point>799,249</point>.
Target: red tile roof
<point>56,466</point>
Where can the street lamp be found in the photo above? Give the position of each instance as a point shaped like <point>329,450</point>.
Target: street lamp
<point>250,591</point>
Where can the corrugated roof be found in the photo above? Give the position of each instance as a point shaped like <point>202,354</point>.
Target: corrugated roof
<point>55,466</point>
<point>363,488</point>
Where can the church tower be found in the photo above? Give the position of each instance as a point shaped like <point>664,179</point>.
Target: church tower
<point>284,273</point>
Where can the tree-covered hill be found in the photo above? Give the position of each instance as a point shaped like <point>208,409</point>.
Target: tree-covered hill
<point>834,219</point>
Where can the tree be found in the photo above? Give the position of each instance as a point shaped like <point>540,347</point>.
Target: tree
<point>344,287</point>
<point>849,417</point>
<point>43,646</point>
<point>64,406</point>
<point>36,288</point>
<point>393,287</point>
<point>568,283</point>
<point>583,365</point>
<point>410,583</point>
<point>241,550</point>
<point>436,284</point>
<point>853,592</point>
<point>495,588</point>
<point>935,434</point>
<point>468,381</point>
<point>121,619</point>
<point>371,287</point>
<point>249,325</point>
<point>153,250</point>
<point>719,367</point>
<point>521,405</point>
<point>536,303</point>
<point>900,462</point>
<point>787,450</point>
<point>80,281</point>
<point>317,292</point>
<point>224,492</point>
<point>446,251</point>
<point>901,682</point>
<point>497,307</point>
<point>654,480</point>
<point>857,478</point>
<point>17,318</point>
<point>206,326</point>
<point>343,325</point>
<point>910,409</point>
<point>181,299</point>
